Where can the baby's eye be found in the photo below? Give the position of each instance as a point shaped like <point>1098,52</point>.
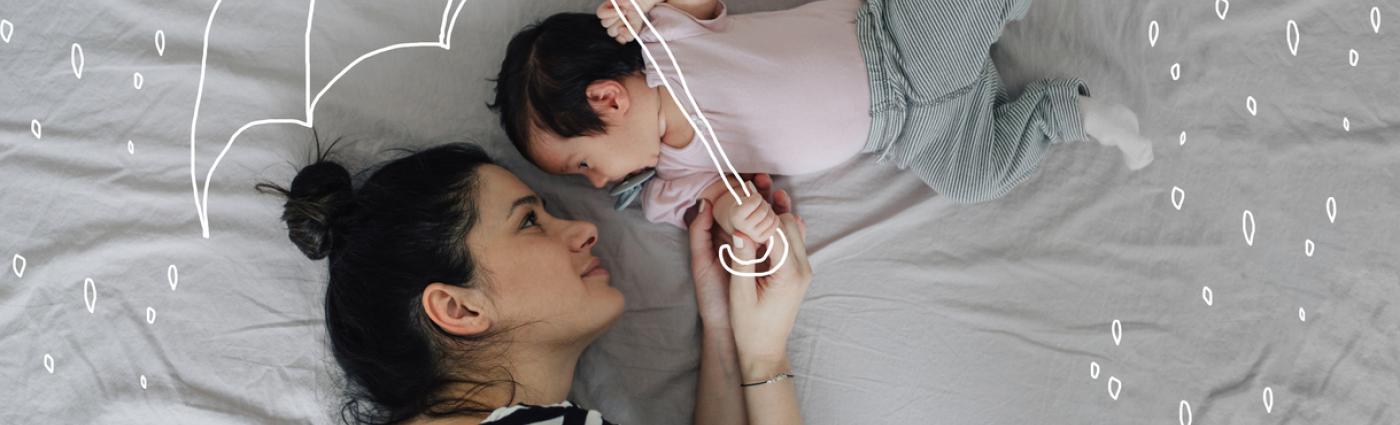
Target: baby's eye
<point>583,165</point>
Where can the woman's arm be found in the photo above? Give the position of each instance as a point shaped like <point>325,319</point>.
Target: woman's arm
<point>718,398</point>
<point>700,9</point>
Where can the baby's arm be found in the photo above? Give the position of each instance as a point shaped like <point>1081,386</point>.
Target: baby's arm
<point>755,218</point>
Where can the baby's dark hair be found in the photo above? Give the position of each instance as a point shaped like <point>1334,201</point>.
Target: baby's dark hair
<point>401,230</point>
<point>548,68</point>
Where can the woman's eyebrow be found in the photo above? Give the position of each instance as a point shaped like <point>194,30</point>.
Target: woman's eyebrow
<point>523,201</point>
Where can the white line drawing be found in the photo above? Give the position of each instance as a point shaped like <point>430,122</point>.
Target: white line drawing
<point>1183,413</point>
<point>1152,30</point>
<point>130,148</point>
<point>1181,141</point>
<point>143,382</point>
<point>6,30</point>
<point>48,363</point>
<point>1248,226</point>
<point>1376,19</point>
<point>1221,12</point>
<point>90,294</point>
<point>1114,385</point>
<point>1268,400</point>
<point>150,315</point>
<point>1346,124</point>
<point>444,41</point>
<point>1178,196</point>
<point>160,43</point>
<point>1293,36</point>
<point>1251,105</point>
<point>1176,71</point>
<point>18,264</point>
<point>1331,209</point>
<point>713,139</point>
<point>1352,57</point>
<point>172,275</point>
<point>75,56</point>
<point>1208,295</point>
<point>137,80</point>
<point>1094,370</point>
<point>36,129</point>
<point>1302,315</point>
<point>1117,329</point>
<point>1308,247</point>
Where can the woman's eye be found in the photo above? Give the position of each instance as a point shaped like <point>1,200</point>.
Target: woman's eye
<point>530,220</point>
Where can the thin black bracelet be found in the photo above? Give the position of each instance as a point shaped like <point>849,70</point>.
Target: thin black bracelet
<point>779,377</point>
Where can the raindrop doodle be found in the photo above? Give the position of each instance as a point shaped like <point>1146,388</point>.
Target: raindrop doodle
<point>1222,11</point>
<point>160,43</point>
<point>1346,124</point>
<point>75,55</point>
<point>1181,141</point>
<point>1178,196</point>
<point>1302,315</point>
<point>90,294</point>
<point>1176,71</point>
<point>150,315</point>
<point>172,275</point>
<point>6,29</point>
<point>1376,19</point>
<point>48,362</point>
<point>137,80</point>
<point>36,129</point>
<point>1251,105</point>
<point>143,382</point>
<point>1308,247</point>
<point>1094,370</point>
<point>1293,37</point>
<point>1117,329</point>
<point>1183,413</point>
<point>1268,400</point>
<point>1152,30</point>
<point>1331,209</point>
<point>1114,385</point>
<point>1352,57</point>
<point>17,264</point>
<point>130,148</point>
<point>1207,295</point>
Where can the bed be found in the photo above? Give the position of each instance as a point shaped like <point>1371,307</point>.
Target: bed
<point>1249,275</point>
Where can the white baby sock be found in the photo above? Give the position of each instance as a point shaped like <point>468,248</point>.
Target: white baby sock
<point>1115,125</point>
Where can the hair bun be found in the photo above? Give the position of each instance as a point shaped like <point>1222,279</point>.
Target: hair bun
<point>321,194</point>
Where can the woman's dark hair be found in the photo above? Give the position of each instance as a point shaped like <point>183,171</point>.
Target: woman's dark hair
<point>405,228</point>
<point>548,68</point>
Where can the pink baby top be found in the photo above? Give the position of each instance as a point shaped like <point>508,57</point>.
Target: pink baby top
<point>786,93</point>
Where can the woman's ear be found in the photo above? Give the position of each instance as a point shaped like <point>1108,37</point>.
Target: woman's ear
<point>457,310</point>
<point>609,99</point>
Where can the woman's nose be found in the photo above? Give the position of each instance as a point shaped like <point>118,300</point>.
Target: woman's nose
<point>582,235</point>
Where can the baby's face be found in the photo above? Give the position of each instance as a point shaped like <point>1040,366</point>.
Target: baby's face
<point>603,159</point>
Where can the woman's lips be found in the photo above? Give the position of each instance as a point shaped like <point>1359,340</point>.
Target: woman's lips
<point>595,268</point>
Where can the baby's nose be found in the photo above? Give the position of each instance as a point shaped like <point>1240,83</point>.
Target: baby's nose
<point>597,180</point>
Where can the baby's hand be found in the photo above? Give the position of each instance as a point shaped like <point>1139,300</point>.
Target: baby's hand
<point>611,19</point>
<point>755,218</point>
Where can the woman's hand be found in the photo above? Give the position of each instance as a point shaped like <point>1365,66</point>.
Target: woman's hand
<point>764,309</point>
<point>711,280</point>
<point>611,19</point>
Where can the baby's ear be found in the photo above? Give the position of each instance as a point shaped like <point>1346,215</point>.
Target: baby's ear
<point>608,98</point>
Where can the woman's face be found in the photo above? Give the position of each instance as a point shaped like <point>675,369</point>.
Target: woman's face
<point>540,270</point>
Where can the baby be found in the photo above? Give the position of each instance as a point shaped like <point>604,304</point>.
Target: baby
<point>789,92</point>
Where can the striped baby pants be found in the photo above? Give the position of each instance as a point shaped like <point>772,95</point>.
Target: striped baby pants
<point>937,103</point>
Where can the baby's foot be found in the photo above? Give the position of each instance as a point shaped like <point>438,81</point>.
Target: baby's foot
<point>1116,125</point>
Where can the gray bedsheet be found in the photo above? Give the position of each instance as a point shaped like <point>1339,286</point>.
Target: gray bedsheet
<point>923,311</point>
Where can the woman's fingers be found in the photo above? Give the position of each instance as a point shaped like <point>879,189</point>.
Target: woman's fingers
<point>701,243</point>
<point>782,202</point>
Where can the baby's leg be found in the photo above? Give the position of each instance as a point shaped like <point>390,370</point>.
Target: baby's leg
<point>1116,125</point>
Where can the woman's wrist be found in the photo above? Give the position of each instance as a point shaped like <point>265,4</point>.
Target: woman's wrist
<point>762,368</point>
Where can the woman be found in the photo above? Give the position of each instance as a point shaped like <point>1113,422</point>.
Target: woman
<point>455,298</point>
